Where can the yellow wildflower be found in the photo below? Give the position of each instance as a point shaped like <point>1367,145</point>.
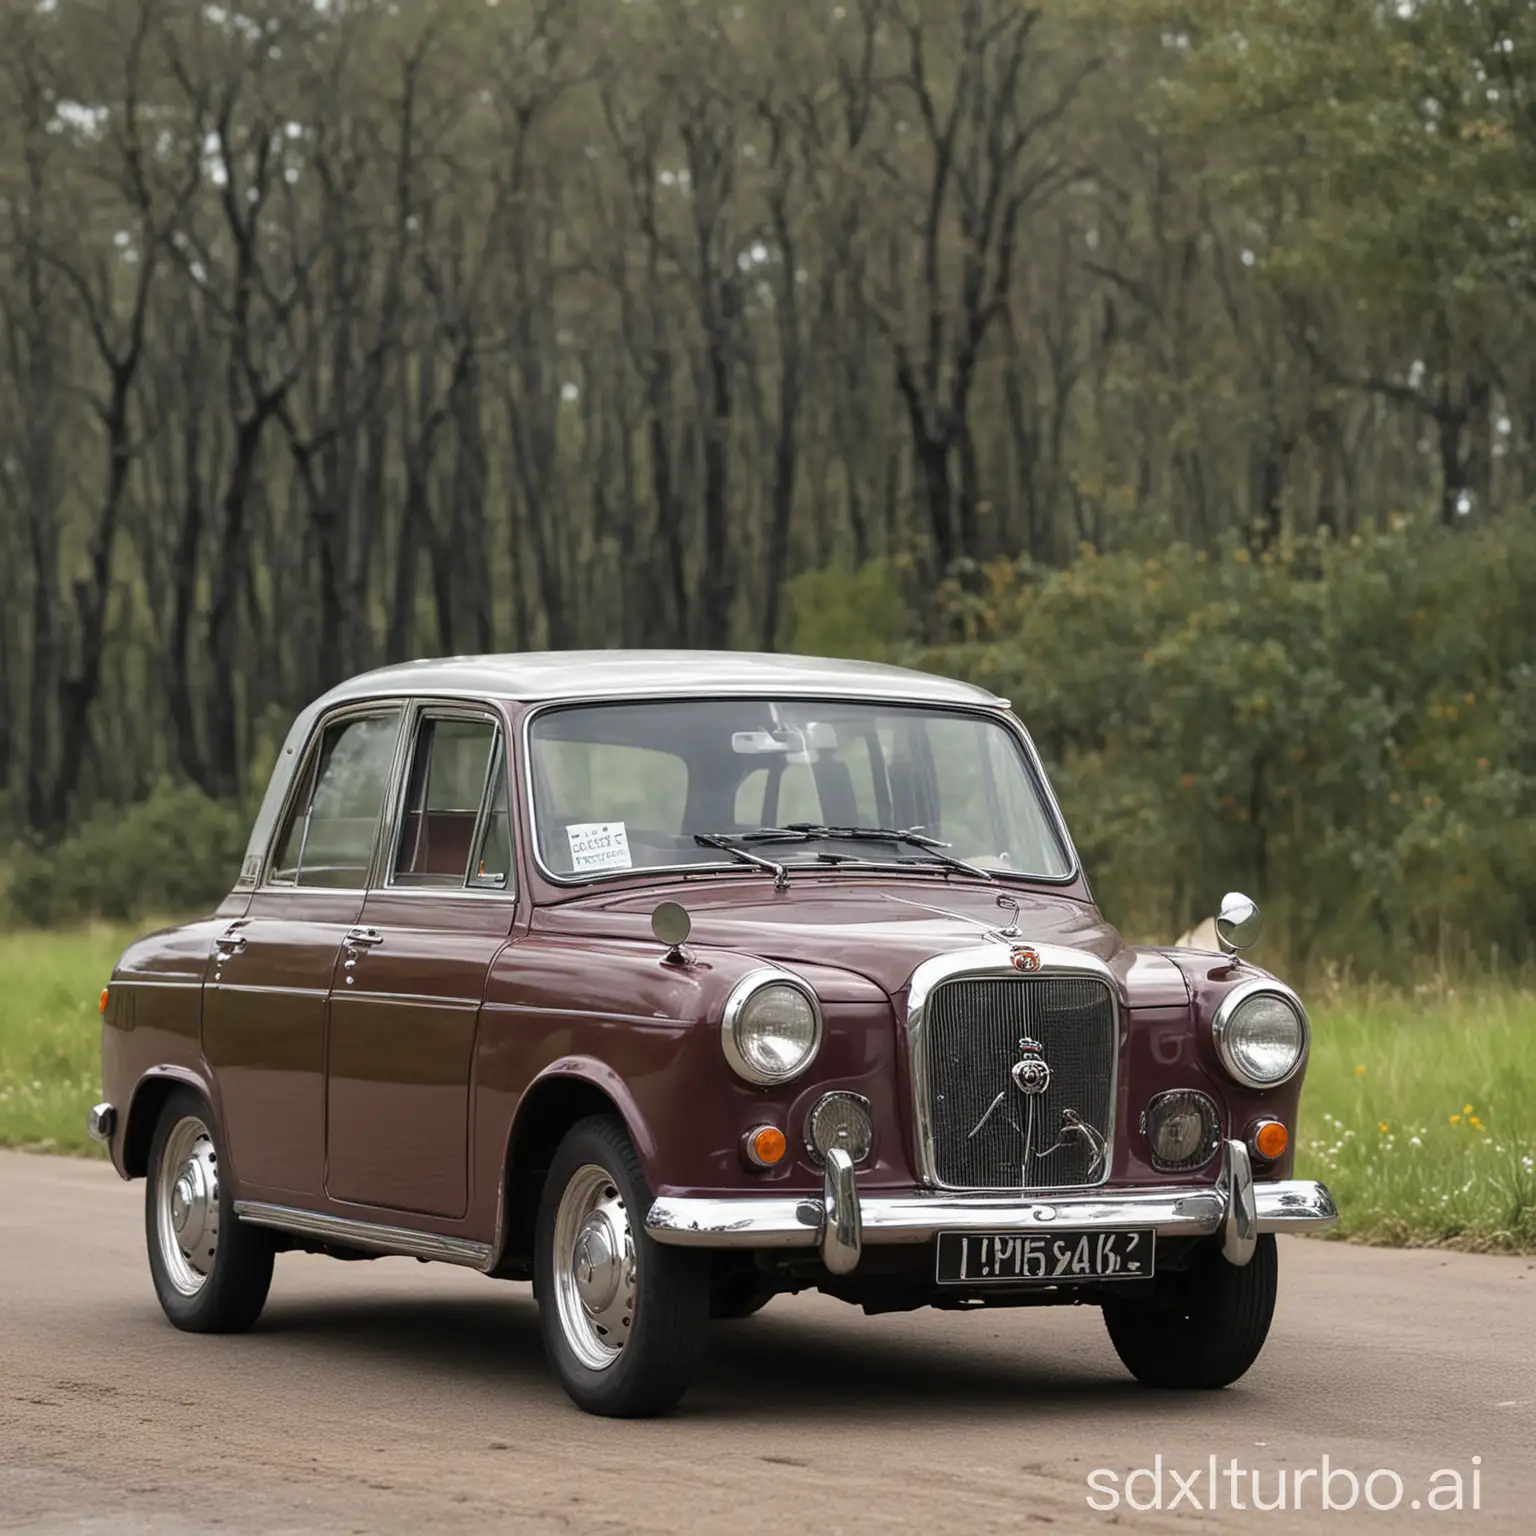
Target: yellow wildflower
<point>1382,1127</point>
<point>1455,1119</point>
<point>1359,1071</point>
<point>1466,1109</point>
<point>1475,1123</point>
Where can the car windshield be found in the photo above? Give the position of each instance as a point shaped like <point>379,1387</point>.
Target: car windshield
<point>791,785</point>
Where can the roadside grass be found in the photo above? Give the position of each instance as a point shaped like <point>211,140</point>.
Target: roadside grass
<point>1419,1111</point>
<point>1419,1114</point>
<point>50,1034</point>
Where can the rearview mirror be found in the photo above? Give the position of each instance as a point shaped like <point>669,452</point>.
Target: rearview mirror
<point>796,742</point>
<point>757,743</point>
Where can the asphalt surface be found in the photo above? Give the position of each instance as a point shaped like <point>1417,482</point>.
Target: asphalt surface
<point>398,1397</point>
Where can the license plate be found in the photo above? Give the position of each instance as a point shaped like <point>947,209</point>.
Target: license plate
<point>1048,1258</point>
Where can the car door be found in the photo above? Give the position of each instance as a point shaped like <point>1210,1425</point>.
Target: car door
<point>406,995</point>
<point>265,1000</point>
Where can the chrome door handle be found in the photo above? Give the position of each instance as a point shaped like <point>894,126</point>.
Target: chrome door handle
<point>229,944</point>
<point>364,937</point>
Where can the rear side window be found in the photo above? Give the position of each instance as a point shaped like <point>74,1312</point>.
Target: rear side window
<point>334,822</point>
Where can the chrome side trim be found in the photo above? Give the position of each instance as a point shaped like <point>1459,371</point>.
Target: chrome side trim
<point>754,1221</point>
<point>366,1234</point>
<point>157,982</point>
<point>993,962</point>
<point>1239,1233</point>
<point>842,1236</point>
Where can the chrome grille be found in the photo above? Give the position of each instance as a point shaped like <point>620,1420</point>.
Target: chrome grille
<point>987,1133</point>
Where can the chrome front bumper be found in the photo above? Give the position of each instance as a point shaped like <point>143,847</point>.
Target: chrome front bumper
<point>842,1221</point>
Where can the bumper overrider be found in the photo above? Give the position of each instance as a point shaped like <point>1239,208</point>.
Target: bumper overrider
<point>842,1221</point>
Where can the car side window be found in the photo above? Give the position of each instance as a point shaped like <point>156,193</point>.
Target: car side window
<point>453,827</point>
<point>334,822</point>
<point>490,868</point>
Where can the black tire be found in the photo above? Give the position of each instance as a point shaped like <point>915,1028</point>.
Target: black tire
<point>238,1267</point>
<point>1206,1328</point>
<point>659,1339</point>
<point>739,1295</point>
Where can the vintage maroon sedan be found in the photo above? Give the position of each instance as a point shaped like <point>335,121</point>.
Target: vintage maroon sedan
<point>675,981</point>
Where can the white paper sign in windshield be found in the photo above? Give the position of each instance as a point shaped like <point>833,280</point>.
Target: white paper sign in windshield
<point>598,845</point>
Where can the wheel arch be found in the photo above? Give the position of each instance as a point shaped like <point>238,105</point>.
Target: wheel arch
<point>149,1096</point>
<point>563,1094</point>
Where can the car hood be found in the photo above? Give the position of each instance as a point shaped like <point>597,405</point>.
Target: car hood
<point>879,930</point>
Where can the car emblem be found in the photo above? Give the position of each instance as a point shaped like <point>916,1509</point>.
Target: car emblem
<point>1031,1073</point>
<point>1025,959</point>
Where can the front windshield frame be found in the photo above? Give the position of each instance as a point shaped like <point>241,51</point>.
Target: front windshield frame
<point>724,863</point>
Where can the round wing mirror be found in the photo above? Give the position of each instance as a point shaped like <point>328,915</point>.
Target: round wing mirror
<point>1238,922</point>
<point>671,924</point>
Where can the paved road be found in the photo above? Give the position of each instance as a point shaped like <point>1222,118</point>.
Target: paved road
<point>396,1397</point>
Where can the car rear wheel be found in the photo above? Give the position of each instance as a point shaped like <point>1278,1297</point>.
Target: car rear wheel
<point>624,1319</point>
<point>211,1271</point>
<point>1206,1328</point>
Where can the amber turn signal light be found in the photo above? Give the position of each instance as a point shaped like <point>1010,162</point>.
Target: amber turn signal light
<point>102,1008</point>
<point>765,1146</point>
<point>1270,1139</point>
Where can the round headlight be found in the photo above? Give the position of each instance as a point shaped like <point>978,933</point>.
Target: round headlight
<point>1260,1034</point>
<point>771,1028</point>
<point>1183,1129</point>
<point>840,1120</point>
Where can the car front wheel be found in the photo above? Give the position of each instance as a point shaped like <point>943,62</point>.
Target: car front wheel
<point>624,1319</point>
<point>1204,1327</point>
<point>211,1271</point>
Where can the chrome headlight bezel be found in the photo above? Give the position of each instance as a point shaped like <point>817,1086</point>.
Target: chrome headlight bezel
<point>1224,1024</point>
<point>742,995</point>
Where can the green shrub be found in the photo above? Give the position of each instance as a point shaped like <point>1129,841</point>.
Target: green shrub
<point>1347,732</point>
<point>861,614</point>
<point>178,851</point>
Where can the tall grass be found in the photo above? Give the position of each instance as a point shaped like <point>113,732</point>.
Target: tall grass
<point>50,1034</point>
<point>1420,1114</point>
<point>1419,1111</point>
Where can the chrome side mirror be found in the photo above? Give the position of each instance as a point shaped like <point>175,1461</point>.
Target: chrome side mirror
<point>672,925</point>
<point>1238,922</point>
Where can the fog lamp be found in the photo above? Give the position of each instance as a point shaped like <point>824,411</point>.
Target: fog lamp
<point>840,1120</point>
<point>1183,1128</point>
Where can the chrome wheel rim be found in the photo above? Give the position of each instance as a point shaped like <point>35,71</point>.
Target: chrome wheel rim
<point>187,1205</point>
<point>594,1267</point>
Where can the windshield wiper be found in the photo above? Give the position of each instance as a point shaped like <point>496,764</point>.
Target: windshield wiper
<point>726,845</point>
<point>806,831</point>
